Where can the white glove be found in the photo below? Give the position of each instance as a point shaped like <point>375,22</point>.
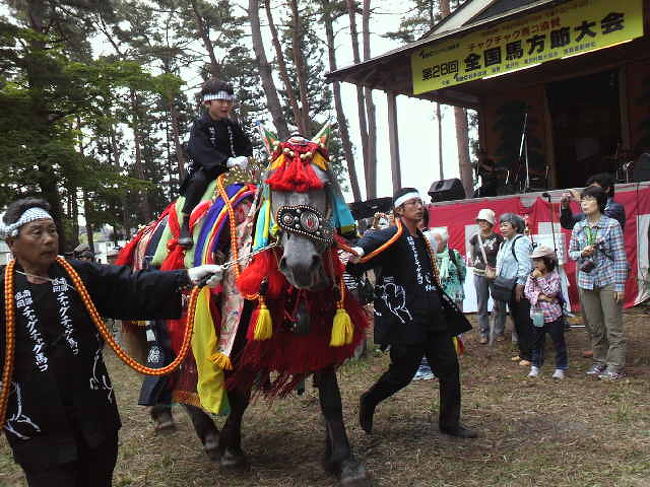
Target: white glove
<point>208,275</point>
<point>359,253</point>
<point>239,161</point>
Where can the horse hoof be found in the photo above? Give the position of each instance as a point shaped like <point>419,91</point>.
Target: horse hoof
<point>211,447</point>
<point>353,474</point>
<point>231,460</point>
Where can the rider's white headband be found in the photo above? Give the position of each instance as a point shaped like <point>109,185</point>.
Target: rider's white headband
<point>219,95</point>
<point>405,197</point>
<point>29,215</point>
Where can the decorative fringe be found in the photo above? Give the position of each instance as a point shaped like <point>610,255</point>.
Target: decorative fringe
<point>185,397</point>
<point>295,174</point>
<point>459,346</point>
<point>342,328</point>
<point>221,360</point>
<point>261,324</point>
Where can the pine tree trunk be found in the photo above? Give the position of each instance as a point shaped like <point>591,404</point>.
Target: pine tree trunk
<point>89,225</point>
<point>282,67</point>
<point>176,137</point>
<point>370,108</point>
<point>338,105</point>
<point>301,67</point>
<point>272,99</point>
<point>462,132</point>
<point>462,139</point>
<point>143,201</point>
<point>361,102</point>
<point>215,68</point>
<point>37,80</point>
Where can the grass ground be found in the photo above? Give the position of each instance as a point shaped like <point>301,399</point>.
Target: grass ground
<point>578,432</point>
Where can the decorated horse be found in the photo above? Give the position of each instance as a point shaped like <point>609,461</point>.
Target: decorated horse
<point>282,311</point>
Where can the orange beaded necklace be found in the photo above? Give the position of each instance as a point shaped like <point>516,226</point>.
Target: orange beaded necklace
<point>10,332</point>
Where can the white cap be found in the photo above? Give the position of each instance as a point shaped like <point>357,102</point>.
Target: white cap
<point>487,215</point>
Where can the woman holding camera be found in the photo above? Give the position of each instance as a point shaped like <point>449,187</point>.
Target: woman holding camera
<point>597,244</point>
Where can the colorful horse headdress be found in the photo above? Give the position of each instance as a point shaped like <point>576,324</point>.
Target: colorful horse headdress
<point>293,168</point>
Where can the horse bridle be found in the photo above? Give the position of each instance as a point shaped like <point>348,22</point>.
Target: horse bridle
<point>306,221</point>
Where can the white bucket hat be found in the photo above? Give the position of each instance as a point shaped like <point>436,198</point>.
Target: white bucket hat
<point>487,215</point>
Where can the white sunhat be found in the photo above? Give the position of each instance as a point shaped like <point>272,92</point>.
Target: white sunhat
<point>487,215</point>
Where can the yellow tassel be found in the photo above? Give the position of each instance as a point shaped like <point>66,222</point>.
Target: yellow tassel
<point>264,323</point>
<point>342,329</point>
<point>221,360</point>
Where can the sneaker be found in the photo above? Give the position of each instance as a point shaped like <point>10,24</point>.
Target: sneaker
<point>525,363</point>
<point>483,340</point>
<point>558,374</point>
<point>611,375</point>
<point>501,338</point>
<point>534,371</point>
<point>516,358</point>
<point>596,369</point>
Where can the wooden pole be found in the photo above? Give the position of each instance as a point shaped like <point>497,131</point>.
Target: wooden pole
<point>393,139</point>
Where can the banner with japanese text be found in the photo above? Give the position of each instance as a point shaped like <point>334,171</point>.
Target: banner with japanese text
<point>573,28</point>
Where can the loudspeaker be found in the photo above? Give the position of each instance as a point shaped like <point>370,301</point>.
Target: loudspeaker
<point>642,168</point>
<point>367,209</point>
<point>446,190</point>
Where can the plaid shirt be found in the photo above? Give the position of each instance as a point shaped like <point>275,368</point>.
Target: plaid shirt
<point>611,262</point>
<point>550,286</point>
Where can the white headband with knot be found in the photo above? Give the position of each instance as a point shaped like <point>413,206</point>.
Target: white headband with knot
<point>405,197</point>
<point>32,214</point>
<point>219,95</point>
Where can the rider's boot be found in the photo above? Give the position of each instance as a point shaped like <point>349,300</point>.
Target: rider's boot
<point>185,238</point>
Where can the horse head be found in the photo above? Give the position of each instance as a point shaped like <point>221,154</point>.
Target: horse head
<point>301,186</point>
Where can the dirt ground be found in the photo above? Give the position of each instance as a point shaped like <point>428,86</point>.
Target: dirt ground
<point>533,431</point>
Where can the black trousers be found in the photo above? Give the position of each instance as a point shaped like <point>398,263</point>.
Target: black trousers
<point>520,313</point>
<point>93,468</point>
<point>196,187</point>
<point>405,359</point>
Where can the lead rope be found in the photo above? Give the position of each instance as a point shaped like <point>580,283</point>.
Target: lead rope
<point>10,325</point>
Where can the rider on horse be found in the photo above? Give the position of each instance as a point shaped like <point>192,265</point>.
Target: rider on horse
<point>217,143</point>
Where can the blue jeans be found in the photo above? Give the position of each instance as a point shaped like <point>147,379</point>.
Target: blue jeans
<point>556,330</point>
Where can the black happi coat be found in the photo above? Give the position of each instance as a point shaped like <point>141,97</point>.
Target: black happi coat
<point>407,300</point>
<point>60,387</point>
<point>209,146</point>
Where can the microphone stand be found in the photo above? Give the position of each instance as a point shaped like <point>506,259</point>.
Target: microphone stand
<point>523,152</point>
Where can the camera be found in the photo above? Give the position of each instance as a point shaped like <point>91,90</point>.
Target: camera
<point>587,266</point>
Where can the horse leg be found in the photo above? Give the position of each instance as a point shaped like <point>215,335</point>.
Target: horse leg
<point>231,454</point>
<point>161,413</point>
<point>206,430</point>
<point>338,454</point>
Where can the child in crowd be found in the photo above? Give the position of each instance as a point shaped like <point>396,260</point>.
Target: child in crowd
<point>217,143</point>
<point>544,292</point>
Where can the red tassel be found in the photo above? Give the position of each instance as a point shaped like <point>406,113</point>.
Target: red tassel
<point>263,265</point>
<point>296,174</point>
<point>175,259</point>
<point>199,211</point>
<point>125,257</point>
